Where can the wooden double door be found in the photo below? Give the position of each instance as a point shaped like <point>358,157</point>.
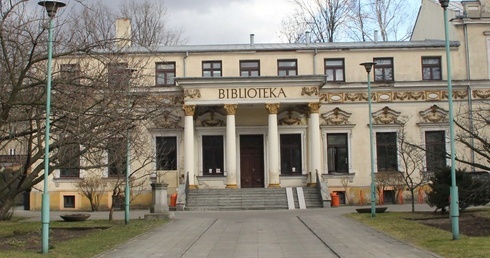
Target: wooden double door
<point>252,161</point>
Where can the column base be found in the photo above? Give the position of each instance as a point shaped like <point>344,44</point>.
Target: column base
<point>274,186</point>
<point>193,187</point>
<point>311,185</point>
<point>232,186</point>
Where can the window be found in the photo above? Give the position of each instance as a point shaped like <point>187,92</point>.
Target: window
<point>165,73</point>
<point>68,201</point>
<point>116,157</point>
<point>431,68</point>
<point>435,147</point>
<point>334,69</point>
<point>383,70</point>
<point>166,153</point>
<point>287,67</point>
<point>211,69</point>
<point>70,73</point>
<point>337,151</point>
<point>69,158</point>
<point>118,76</point>
<point>212,155</point>
<point>386,150</point>
<point>249,68</point>
<point>291,157</point>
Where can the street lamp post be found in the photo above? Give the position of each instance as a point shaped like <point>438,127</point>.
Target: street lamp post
<point>51,8</point>
<point>454,205</point>
<point>128,154</point>
<point>369,66</point>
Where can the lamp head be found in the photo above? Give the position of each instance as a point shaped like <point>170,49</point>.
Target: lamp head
<point>444,3</point>
<point>368,66</point>
<point>51,7</point>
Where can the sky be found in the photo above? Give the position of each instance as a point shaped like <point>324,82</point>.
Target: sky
<point>206,22</point>
<point>228,21</point>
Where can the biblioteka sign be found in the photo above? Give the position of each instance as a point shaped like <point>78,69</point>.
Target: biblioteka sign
<point>251,93</point>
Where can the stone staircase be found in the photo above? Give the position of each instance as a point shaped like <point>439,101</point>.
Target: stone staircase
<point>248,199</point>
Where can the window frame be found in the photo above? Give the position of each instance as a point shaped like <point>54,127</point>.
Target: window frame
<point>334,69</point>
<point>384,67</point>
<point>376,155</point>
<point>69,197</point>
<point>207,149</point>
<point>165,73</point>
<point>287,69</point>
<point>328,129</point>
<point>431,67</point>
<point>204,131</point>
<point>249,70</point>
<point>172,166</point>
<point>290,148</point>
<point>444,143</point>
<point>346,146</point>
<point>67,171</point>
<point>118,75</point>
<point>112,169</point>
<point>212,69</point>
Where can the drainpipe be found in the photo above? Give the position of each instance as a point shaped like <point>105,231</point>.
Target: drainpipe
<point>185,63</point>
<point>470,100</point>
<point>314,60</point>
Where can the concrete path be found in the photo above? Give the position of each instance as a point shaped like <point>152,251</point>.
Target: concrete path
<point>278,233</point>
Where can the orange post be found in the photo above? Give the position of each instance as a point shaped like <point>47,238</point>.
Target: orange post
<point>335,199</point>
<point>173,200</point>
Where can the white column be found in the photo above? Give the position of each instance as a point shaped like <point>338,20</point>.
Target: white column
<point>314,140</point>
<point>189,160</point>
<point>231,180</point>
<point>273,149</point>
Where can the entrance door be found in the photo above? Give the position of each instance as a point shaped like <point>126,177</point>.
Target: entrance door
<point>252,161</point>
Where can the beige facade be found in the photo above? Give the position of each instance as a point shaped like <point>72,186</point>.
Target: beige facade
<point>276,130</point>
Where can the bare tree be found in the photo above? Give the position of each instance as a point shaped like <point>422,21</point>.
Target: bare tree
<point>412,162</point>
<point>92,187</point>
<point>322,18</point>
<point>89,108</point>
<point>150,22</point>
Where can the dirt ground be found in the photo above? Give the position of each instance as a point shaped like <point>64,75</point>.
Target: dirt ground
<point>469,224</point>
<point>32,240</point>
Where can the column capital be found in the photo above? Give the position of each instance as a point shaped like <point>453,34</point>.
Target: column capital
<point>272,108</point>
<point>189,109</point>
<point>230,108</point>
<point>314,107</point>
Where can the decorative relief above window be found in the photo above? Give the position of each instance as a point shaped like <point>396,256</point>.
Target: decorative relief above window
<point>167,120</point>
<point>434,114</point>
<point>190,94</point>
<point>386,116</point>
<point>482,94</point>
<point>290,117</point>
<point>212,118</point>
<point>309,91</point>
<point>336,116</point>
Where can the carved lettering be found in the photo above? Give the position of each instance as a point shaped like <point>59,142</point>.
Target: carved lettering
<point>251,93</point>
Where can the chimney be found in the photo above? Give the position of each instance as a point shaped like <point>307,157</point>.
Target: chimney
<point>307,37</point>
<point>123,32</point>
<point>252,36</point>
<point>375,36</point>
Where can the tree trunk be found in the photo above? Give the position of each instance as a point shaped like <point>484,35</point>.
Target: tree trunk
<point>6,211</point>
<point>413,199</point>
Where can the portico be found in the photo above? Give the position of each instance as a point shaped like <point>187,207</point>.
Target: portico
<point>235,127</point>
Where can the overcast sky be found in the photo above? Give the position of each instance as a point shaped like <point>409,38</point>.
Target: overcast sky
<point>228,21</point>
<point>223,21</point>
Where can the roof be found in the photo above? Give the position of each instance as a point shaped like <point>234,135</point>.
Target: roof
<point>293,46</point>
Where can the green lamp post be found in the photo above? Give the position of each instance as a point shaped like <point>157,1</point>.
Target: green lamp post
<point>368,66</point>
<point>454,205</point>
<point>51,8</point>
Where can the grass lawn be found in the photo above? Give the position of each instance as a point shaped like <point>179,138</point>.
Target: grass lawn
<point>408,227</point>
<point>23,239</point>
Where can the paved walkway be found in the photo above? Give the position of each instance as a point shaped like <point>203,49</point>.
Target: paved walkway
<point>278,233</point>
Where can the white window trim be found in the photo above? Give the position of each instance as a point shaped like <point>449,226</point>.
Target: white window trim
<point>347,129</point>
<point>203,131</point>
<point>294,130</point>
<point>425,127</point>
<point>166,133</point>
